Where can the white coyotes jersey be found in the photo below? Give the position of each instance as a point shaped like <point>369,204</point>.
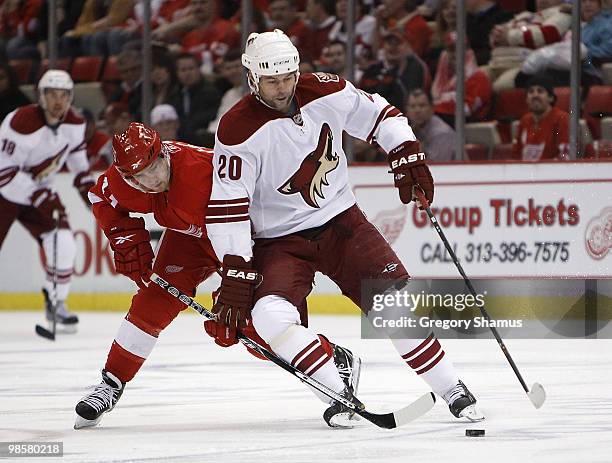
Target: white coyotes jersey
<point>31,152</point>
<point>274,175</point>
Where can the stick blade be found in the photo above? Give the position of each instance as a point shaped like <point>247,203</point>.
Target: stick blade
<point>45,333</point>
<point>415,410</point>
<point>537,395</point>
<point>403,416</point>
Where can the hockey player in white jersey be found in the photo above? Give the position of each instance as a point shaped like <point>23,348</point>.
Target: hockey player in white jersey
<point>36,141</point>
<point>281,180</point>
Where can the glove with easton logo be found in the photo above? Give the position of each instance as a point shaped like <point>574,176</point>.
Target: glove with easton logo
<point>131,245</point>
<point>235,300</point>
<point>222,334</point>
<point>409,169</point>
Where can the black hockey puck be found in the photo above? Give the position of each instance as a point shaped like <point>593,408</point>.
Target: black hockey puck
<point>474,432</point>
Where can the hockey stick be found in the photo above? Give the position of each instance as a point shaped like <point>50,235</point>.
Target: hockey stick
<point>386,420</point>
<point>40,330</point>
<point>536,395</point>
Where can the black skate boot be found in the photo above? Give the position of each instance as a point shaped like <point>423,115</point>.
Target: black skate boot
<point>462,403</point>
<point>339,415</point>
<point>348,365</point>
<point>349,368</point>
<point>103,399</point>
<point>62,315</point>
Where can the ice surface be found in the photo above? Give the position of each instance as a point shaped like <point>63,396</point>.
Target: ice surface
<point>196,402</point>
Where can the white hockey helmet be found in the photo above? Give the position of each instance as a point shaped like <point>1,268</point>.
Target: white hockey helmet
<point>269,54</point>
<point>54,78</point>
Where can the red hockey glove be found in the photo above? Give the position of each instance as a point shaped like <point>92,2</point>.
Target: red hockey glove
<point>239,280</point>
<point>222,334</point>
<point>409,169</point>
<point>131,245</point>
<point>83,182</point>
<point>46,201</point>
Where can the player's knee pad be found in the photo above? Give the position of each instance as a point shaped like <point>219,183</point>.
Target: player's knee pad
<point>66,248</point>
<point>153,309</point>
<point>272,315</point>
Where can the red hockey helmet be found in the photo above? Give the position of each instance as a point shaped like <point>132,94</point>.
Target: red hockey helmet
<point>135,149</point>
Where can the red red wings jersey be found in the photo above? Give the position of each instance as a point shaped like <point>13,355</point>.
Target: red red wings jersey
<point>181,208</point>
<point>275,175</point>
<point>31,152</point>
<point>546,139</point>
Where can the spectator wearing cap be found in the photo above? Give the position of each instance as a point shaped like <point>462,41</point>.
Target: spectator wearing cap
<point>403,16</point>
<point>478,90</point>
<point>196,100</point>
<point>543,133</point>
<point>436,136</point>
<point>165,120</point>
<point>117,117</point>
<point>398,72</point>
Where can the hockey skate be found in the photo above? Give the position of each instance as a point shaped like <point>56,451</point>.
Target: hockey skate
<point>339,415</point>
<point>349,368</point>
<point>462,403</point>
<point>103,399</point>
<point>63,317</point>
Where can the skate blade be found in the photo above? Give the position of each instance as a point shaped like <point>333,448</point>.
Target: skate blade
<point>81,422</point>
<point>356,375</point>
<point>472,413</point>
<point>345,420</point>
<point>61,328</point>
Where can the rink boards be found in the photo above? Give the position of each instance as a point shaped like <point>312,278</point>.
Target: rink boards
<point>506,220</point>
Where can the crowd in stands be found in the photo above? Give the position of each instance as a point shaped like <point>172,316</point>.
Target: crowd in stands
<point>517,65</point>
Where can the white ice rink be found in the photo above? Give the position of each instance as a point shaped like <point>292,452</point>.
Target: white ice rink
<point>196,402</point>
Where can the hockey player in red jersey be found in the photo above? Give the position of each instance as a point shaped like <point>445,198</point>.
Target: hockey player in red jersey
<point>173,181</point>
<point>281,180</point>
<point>37,140</point>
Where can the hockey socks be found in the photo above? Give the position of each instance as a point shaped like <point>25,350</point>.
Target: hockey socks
<point>130,349</point>
<point>429,361</point>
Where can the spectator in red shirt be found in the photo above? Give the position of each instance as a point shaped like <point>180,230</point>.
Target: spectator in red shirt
<point>402,15</point>
<point>284,16</point>
<point>478,89</point>
<point>213,38</point>
<point>543,133</point>
<point>23,44</point>
<point>320,14</point>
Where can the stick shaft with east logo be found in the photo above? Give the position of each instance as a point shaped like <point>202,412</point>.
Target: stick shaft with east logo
<point>536,394</point>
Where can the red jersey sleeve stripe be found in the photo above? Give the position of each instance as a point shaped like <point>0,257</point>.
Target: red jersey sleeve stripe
<point>223,211</point>
<point>223,202</point>
<point>242,218</point>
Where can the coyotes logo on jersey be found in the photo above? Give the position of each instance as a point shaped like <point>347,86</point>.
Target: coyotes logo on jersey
<point>311,177</point>
<point>48,166</point>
